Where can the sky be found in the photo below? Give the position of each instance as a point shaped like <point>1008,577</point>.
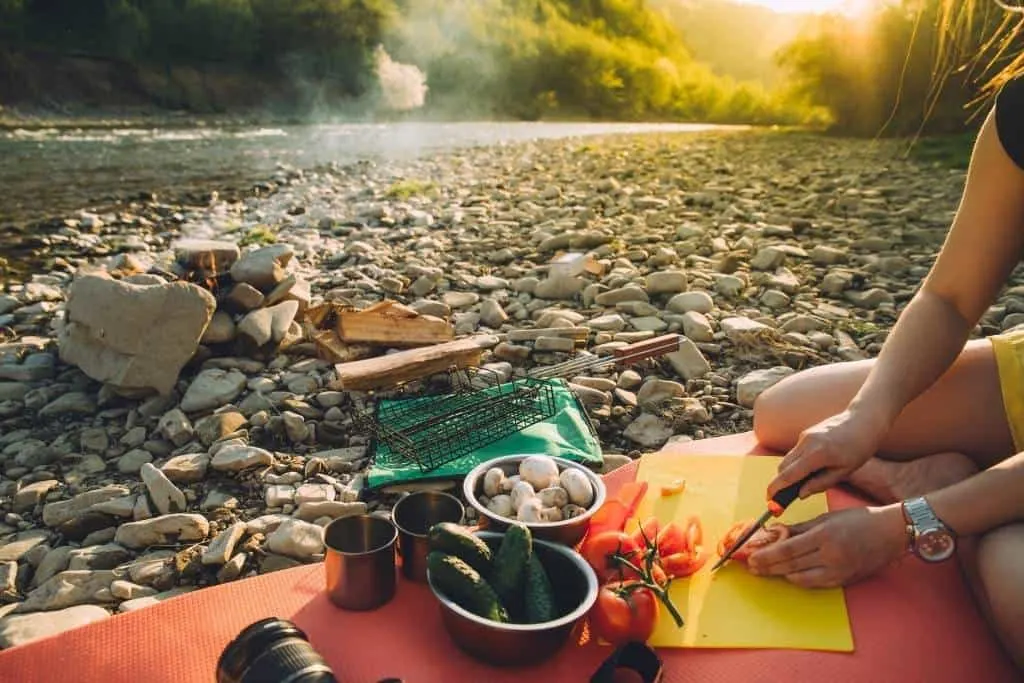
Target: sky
<point>849,6</point>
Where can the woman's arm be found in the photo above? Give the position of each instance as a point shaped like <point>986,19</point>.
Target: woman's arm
<point>987,500</point>
<point>981,250</point>
<point>983,246</point>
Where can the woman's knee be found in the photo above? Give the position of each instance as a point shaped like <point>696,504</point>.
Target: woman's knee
<point>1000,554</point>
<point>795,403</point>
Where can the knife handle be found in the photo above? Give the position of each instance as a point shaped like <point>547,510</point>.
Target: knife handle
<point>784,498</point>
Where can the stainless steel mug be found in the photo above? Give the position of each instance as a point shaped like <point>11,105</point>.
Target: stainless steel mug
<point>414,515</point>
<point>360,561</point>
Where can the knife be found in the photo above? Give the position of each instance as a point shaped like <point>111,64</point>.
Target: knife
<point>776,506</point>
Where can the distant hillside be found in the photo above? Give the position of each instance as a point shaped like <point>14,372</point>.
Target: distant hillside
<point>734,39</point>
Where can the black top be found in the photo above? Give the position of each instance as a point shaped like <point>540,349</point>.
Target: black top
<point>1010,119</point>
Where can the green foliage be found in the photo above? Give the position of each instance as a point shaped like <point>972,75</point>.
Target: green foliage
<point>260,235</point>
<point>529,59</point>
<point>890,73</point>
<point>404,189</point>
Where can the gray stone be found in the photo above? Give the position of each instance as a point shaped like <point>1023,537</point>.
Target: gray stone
<point>217,426</point>
<point>222,547</point>
<point>20,629</point>
<point>71,403</point>
<point>176,427</point>
<point>213,388</point>
<point>753,384</point>
<point>52,564</point>
<point>656,391</point>
<point>67,589</point>
<point>186,469</point>
<point>297,539</point>
<point>126,590</point>
<point>691,301</point>
<point>492,314</point>
<point>166,496</point>
<point>106,556</point>
<point>688,361</point>
<point>150,600</point>
<point>245,297</point>
<point>263,268</point>
<point>666,282</point>
<point>132,461</point>
<point>697,327</point>
<point>559,288</point>
<point>239,457</point>
<point>768,258</point>
<point>26,499</point>
<point>221,329</point>
<point>21,544</point>
<point>133,336</point>
<point>163,530</point>
<point>311,511</point>
<point>59,512</point>
<point>647,430</point>
<point>615,296</point>
<point>267,325</point>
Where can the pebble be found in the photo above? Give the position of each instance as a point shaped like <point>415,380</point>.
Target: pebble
<point>19,629</point>
<point>296,539</point>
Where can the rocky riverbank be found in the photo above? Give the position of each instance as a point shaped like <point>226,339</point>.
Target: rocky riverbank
<point>769,252</point>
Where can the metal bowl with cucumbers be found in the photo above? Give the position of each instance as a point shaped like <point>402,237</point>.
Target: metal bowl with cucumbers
<point>574,591</point>
<point>554,497</point>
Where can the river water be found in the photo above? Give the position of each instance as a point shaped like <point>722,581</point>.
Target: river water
<point>47,173</point>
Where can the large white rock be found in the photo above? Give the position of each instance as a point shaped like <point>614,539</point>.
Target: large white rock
<point>212,388</point>
<point>19,629</point>
<point>166,496</point>
<point>297,539</point>
<point>133,337</point>
<point>162,530</point>
<point>67,589</point>
<point>57,513</point>
<point>236,458</point>
<point>753,384</point>
<point>647,430</point>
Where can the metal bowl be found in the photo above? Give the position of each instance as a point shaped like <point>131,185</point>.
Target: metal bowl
<point>575,589</point>
<point>567,532</point>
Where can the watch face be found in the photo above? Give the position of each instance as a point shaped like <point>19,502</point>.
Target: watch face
<point>935,545</point>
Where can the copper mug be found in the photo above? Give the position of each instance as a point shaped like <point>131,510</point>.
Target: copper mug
<point>414,515</point>
<point>360,561</point>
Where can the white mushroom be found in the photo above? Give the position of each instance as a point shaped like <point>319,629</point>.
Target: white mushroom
<point>581,491</point>
<point>531,511</point>
<point>521,493</point>
<point>571,510</point>
<point>484,500</point>
<point>509,483</point>
<point>501,505</point>
<point>539,470</point>
<point>551,514</point>
<point>553,496</point>
<point>493,479</point>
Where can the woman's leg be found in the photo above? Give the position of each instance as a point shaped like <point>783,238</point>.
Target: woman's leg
<point>992,566</point>
<point>962,412</point>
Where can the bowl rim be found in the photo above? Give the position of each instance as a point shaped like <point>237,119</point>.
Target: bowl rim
<point>588,601</point>
<point>469,492</point>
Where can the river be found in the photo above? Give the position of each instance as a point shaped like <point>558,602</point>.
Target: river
<point>47,173</point>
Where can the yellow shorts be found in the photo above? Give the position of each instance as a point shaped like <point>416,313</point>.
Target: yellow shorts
<point>1009,350</point>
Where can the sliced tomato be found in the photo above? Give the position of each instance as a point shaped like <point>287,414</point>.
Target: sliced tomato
<point>624,612</point>
<point>600,551</point>
<point>771,533</point>
<point>682,565</point>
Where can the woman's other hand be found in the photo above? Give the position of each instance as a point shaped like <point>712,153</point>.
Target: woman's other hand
<point>836,548</point>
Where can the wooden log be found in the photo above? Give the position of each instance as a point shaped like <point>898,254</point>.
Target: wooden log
<point>404,366</point>
<point>392,326</point>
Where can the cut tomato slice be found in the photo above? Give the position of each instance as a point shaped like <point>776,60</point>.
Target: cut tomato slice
<point>771,533</point>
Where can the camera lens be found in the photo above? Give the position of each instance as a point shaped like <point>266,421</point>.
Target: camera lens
<point>272,651</point>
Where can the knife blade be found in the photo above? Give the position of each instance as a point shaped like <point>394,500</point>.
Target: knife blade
<point>776,506</point>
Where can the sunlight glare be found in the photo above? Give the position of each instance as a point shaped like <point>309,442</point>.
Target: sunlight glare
<point>850,7</point>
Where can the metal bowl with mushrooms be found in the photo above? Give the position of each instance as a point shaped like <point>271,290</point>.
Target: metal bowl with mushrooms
<point>554,497</point>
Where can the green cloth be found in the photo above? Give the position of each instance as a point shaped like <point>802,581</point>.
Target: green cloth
<point>568,434</point>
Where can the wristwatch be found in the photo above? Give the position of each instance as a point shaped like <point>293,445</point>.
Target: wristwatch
<point>928,537</point>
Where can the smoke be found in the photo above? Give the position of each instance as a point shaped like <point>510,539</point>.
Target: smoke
<point>403,86</point>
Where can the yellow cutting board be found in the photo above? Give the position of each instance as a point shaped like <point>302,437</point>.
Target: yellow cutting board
<point>733,608</point>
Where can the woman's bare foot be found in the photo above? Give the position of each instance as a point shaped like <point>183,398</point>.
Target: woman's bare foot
<point>888,481</point>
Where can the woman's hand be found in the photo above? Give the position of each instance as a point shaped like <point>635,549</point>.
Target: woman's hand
<point>836,548</point>
<point>837,446</point>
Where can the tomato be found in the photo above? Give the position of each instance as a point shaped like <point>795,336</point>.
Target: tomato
<point>624,612</point>
<point>647,532</point>
<point>772,533</point>
<point>681,565</point>
<point>599,552</point>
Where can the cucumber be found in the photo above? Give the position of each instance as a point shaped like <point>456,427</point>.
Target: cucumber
<point>540,596</point>
<point>509,569</point>
<point>465,586</point>
<point>457,540</point>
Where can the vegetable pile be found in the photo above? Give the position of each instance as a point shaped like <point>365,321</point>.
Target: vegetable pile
<point>509,586</point>
<point>538,493</point>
